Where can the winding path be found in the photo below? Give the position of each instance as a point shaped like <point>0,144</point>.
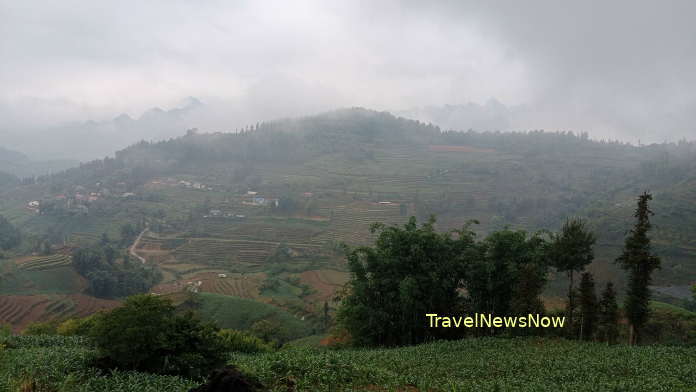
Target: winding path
<point>135,245</point>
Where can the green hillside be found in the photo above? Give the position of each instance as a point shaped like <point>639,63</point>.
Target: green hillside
<point>270,206</point>
<point>241,314</point>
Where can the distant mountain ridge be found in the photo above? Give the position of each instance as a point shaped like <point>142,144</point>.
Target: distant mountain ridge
<point>91,140</point>
<point>17,164</point>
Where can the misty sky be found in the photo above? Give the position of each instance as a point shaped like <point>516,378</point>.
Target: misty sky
<point>622,69</point>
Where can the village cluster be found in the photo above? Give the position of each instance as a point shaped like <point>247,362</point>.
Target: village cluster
<point>79,199</point>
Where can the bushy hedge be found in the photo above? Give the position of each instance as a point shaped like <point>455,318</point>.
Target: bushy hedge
<point>146,334</point>
<point>238,341</point>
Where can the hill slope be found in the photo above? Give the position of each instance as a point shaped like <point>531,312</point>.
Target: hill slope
<point>267,207</point>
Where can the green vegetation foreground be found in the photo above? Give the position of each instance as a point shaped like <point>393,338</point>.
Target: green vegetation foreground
<point>482,364</point>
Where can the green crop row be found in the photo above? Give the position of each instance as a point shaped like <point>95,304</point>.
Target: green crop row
<point>482,364</point>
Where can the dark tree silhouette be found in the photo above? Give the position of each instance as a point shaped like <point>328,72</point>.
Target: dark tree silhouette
<point>608,315</point>
<point>588,307</point>
<point>571,251</point>
<point>638,260</point>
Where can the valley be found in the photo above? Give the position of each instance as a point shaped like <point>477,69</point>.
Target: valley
<point>264,215</point>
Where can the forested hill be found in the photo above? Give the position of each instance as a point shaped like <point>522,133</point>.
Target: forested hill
<point>532,180</point>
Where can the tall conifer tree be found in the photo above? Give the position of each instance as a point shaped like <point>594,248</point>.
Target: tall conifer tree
<point>608,315</point>
<point>588,307</point>
<point>638,260</point>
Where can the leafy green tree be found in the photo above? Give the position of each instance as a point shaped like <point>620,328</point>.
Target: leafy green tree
<point>639,261</point>
<point>508,273</point>
<point>325,318</point>
<point>9,234</point>
<point>128,233</point>
<point>108,279</point>
<point>270,331</point>
<point>146,334</point>
<point>572,250</point>
<point>531,279</point>
<point>77,326</point>
<point>411,271</point>
<point>609,315</point>
<point>588,307</point>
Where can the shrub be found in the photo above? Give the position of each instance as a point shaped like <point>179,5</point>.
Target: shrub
<point>5,331</point>
<point>41,328</point>
<point>244,343</point>
<point>146,334</point>
<point>270,331</point>
<point>80,326</point>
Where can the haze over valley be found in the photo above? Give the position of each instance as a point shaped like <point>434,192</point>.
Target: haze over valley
<point>282,197</point>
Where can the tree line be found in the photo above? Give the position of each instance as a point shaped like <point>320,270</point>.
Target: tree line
<point>414,270</point>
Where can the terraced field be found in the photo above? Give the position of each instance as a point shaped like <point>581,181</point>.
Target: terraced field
<point>259,229</point>
<point>325,281</point>
<point>237,285</point>
<point>351,223</point>
<point>21,310</point>
<point>42,263</point>
<point>224,252</point>
<point>82,239</point>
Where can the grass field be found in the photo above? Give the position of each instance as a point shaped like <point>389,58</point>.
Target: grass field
<point>240,313</point>
<point>488,364</point>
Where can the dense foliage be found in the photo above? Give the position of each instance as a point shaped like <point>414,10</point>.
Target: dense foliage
<point>107,278</point>
<point>9,234</point>
<point>507,274</point>
<point>413,270</point>
<point>589,307</point>
<point>608,315</point>
<point>572,250</point>
<point>146,334</point>
<point>409,272</point>
<point>240,341</point>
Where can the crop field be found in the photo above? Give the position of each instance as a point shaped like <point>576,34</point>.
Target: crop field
<point>325,281</point>
<point>234,284</point>
<point>273,230</point>
<point>351,223</point>
<point>237,285</point>
<point>61,279</point>
<point>224,252</point>
<point>44,262</point>
<point>486,364</point>
<point>62,363</point>
<point>20,310</point>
